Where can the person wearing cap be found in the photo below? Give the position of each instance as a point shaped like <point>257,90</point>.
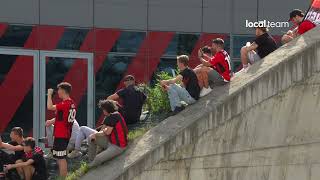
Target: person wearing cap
<point>297,17</point>
<point>263,45</point>
<point>132,98</point>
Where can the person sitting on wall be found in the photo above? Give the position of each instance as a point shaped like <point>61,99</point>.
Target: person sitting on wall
<point>202,73</point>
<point>112,138</point>
<point>33,165</point>
<point>49,139</point>
<point>297,17</point>
<point>217,67</point>
<point>262,46</point>
<point>133,100</point>
<point>84,133</point>
<point>12,151</point>
<point>189,89</point>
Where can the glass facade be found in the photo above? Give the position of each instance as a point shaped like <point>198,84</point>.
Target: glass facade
<point>110,65</point>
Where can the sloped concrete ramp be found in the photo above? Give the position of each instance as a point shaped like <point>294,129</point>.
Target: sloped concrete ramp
<point>265,125</point>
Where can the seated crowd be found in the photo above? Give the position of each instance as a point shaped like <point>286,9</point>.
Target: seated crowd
<point>22,159</point>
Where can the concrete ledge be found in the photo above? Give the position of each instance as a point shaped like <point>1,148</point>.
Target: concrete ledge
<point>288,66</point>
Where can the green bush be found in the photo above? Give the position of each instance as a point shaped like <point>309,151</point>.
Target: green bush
<point>157,101</point>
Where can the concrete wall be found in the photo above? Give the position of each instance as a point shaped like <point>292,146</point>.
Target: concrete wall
<point>215,16</point>
<point>264,125</point>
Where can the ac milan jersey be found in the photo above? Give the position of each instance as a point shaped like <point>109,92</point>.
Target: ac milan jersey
<point>65,116</point>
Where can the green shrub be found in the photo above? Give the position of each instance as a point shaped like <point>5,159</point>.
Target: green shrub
<point>157,101</point>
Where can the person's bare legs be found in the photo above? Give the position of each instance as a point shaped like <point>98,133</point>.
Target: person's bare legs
<point>28,172</point>
<point>20,170</point>
<point>244,56</point>
<point>202,75</point>
<point>286,38</point>
<point>63,167</point>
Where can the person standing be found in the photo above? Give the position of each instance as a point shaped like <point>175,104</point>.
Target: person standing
<point>65,116</point>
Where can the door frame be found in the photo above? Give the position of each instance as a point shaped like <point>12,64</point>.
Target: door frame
<point>42,84</point>
<point>35,55</point>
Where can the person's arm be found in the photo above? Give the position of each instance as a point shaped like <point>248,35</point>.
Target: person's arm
<point>114,97</point>
<point>171,81</point>
<point>11,147</point>
<point>50,105</point>
<point>22,164</point>
<point>50,122</point>
<point>107,130</point>
<point>252,47</point>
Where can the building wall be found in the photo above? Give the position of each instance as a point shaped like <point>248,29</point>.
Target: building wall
<point>126,37</point>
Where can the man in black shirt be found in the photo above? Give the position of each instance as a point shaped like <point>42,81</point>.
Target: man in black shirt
<point>33,165</point>
<point>132,98</point>
<point>189,89</point>
<point>12,151</point>
<point>263,45</point>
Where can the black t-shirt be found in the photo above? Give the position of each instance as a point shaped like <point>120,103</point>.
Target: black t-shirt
<point>266,45</point>
<point>133,100</point>
<point>39,165</point>
<point>112,119</point>
<point>190,82</point>
<point>17,154</point>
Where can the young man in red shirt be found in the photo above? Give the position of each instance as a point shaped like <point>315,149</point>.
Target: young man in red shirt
<point>112,138</point>
<point>220,63</point>
<point>297,17</point>
<point>65,116</point>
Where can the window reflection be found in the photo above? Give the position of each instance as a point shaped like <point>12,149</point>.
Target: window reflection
<point>182,44</point>
<point>15,36</point>
<point>129,42</point>
<point>72,39</point>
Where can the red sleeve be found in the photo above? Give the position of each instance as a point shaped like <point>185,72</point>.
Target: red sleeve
<point>305,26</point>
<point>216,59</point>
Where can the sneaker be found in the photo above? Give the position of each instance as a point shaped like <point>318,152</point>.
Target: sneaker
<point>49,155</point>
<point>177,110</point>
<point>74,154</point>
<point>244,69</point>
<point>205,91</point>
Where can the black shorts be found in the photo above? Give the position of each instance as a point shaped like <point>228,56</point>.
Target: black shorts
<point>59,149</point>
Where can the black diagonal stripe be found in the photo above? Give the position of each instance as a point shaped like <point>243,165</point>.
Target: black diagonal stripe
<point>116,135</point>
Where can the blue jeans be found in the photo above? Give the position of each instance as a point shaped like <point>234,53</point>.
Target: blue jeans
<point>177,94</point>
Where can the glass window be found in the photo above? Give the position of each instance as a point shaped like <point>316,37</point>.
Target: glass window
<point>182,44</point>
<point>109,76</point>
<point>236,65</point>
<point>167,64</point>
<point>72,39</point>
<point>19,112</point>
<point>15,36</point>
<point>129,42</point>
<point>239,42</point>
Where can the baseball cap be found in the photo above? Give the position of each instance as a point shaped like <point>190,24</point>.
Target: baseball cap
<point>296,12</point>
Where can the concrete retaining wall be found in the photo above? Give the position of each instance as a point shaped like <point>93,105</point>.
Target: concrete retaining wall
<point>264,125</point>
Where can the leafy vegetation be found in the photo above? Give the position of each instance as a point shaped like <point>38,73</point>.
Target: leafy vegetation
<point>84,168</point>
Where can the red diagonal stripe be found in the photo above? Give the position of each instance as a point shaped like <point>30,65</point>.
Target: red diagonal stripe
<point>3,28</point>
<point>148,57</point>
<point>77,75</point>
<point>19,79</point>
<point>205,39</point>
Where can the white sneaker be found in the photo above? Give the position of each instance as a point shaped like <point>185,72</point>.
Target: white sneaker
<point>49,155</point>
<point>74,154</point>
<point>243,69</point>
<point>205,91</point>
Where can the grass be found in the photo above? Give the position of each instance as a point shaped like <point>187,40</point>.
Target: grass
<point>84,168</point>
<point>137,133</point>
